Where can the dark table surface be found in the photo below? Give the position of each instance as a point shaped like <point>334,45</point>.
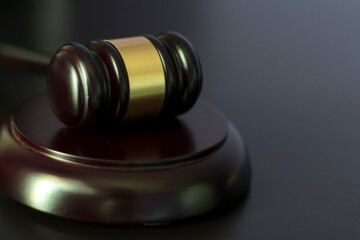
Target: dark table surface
<point>286,73</point>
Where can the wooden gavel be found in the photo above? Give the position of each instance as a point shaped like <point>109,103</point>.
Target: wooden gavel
<point>108,82</point>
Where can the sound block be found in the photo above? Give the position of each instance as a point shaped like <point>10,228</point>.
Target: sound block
<point>147,172</point>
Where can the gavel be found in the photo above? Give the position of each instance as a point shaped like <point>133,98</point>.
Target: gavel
<point>109,82</point>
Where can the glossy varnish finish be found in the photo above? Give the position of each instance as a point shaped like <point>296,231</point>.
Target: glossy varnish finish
<point>157,171</point>
<point>108,82</point>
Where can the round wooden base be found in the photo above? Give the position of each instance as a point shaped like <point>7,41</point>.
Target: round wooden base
<point>145,172</point>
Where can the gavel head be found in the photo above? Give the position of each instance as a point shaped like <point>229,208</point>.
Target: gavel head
<point>108,82</point>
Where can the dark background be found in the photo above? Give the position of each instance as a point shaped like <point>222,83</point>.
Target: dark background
<point>286,73</point>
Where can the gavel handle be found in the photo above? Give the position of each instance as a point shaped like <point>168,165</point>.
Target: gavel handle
<point>22,59</point>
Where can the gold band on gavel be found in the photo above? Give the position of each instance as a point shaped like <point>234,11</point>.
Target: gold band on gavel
<point>145,74</point>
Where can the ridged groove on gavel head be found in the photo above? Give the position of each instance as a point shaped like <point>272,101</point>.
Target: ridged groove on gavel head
<point>75,85</point>
<point>116,94</point>
<point>90,85</point>
<point>183,71</point>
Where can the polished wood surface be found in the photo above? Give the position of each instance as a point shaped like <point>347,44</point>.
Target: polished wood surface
<point>146,172</point>
<point>121,80</point>
<point>286,73</point>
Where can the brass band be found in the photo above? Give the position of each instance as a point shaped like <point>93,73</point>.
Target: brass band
<point>146,76</point>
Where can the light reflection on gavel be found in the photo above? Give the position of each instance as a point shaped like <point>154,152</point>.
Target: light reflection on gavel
<point>108,82</point>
